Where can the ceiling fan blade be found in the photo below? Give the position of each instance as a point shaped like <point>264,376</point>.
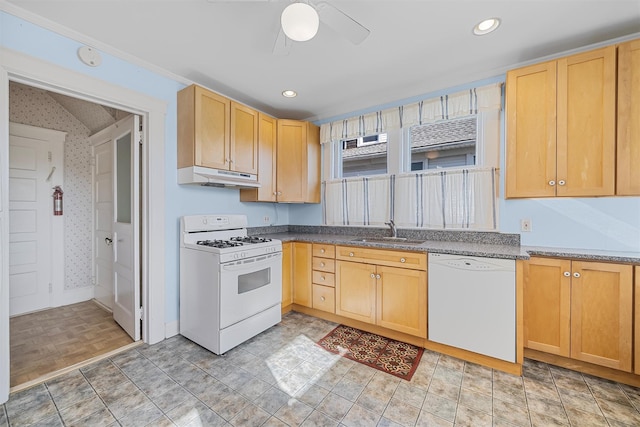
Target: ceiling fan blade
<point>282,44</point>
<point>341,23</point>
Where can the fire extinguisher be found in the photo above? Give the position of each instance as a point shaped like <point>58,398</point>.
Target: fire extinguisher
<point>57,200</point>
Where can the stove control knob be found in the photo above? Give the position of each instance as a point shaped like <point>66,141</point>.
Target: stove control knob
<point>244,255</point>
<point>235,256</point>
<point>204,220</point>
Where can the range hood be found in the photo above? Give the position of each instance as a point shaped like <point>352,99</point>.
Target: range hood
<point>216,177</point>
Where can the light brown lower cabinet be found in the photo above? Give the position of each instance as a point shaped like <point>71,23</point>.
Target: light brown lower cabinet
<point>580,309</point>
<point>287,284</point>
<point>301,274</point>
<point>391,297</point>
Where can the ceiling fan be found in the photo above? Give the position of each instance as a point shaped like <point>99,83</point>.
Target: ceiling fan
<point>299,21</point>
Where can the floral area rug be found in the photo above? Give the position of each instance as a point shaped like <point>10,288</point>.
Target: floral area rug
<point>387,355</point>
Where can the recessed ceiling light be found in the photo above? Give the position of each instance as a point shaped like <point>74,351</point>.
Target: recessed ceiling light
<point>486,26</point>
<point>289,93</point>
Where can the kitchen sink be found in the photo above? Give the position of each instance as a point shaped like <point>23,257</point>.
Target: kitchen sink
<point>400,240</point>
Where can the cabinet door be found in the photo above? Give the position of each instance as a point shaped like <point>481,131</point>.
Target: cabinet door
<point>291,156</point>
<point>402,300</point>
<point>586,123</point>
<point>244,139</point>
<point>356,291</point>
<point>637,321</point>
<point>301,275</point>
<point>601,314</point>
<point>547,305</point>
<point>211,129</point>
<point>313,164</point>
<point>628,158</point>
<point>531,131</point>
<point>287,285</point>
<point>267,132</point>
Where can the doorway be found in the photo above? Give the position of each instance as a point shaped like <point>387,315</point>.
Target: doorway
<point>26,69</point>
<point>45,341</point>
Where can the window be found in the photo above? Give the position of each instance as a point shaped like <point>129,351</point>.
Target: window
<point>444,144</point>
<point>364,156</point>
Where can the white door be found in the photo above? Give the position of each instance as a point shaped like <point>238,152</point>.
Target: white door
<point>103,223</point>
<point>35,166</point>
<point>126,226</point>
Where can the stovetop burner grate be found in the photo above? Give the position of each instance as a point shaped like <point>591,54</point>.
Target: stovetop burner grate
<point>250,239</point>
<point>219,243</point>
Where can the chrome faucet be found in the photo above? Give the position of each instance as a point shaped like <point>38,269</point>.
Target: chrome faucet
<point>392,225</point>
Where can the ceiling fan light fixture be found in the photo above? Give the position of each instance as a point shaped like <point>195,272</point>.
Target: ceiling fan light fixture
<point>300,22</point>
<point>486,26</point>
<point>289,93</point>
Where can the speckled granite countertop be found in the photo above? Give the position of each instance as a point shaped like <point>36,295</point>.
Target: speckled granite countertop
<point>471,243</point>
<point>586,254</point>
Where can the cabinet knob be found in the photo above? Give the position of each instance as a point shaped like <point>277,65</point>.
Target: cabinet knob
<point>552,182</point>
<point>350,253</point>
<point>378,276</point>
<point>561,182</point>
<point>576,274</point>
<point>403,260</point>
<point>322,264</point>
<point>322,251</point>
<point>321,298</point>
<point>373,276</point>
<point>279,193</point>
<point>275,193</point>
<point>567,274</point>
<point>321,277</point>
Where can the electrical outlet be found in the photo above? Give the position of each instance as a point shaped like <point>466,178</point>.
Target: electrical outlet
<point>525,225</point>
<point>266,219</point>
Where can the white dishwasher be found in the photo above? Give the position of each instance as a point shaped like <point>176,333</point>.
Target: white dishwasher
<point>472,304</point>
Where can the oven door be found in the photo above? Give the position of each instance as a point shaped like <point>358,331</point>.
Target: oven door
<point>249,286</point>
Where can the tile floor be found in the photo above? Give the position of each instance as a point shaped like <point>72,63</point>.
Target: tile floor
<point>282,378</point>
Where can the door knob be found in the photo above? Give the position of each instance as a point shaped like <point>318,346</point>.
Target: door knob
<point>108,241</point>
<point>567,274</point>
<point>576,274</point>
<point>552,182</point>
<point>373,276</point>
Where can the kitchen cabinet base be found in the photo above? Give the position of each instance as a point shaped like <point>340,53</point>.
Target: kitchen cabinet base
<point>584,367</point>
<point>480,359</point>
<point>287,308</point>
<point>489,362</point>
<point>374,329</point>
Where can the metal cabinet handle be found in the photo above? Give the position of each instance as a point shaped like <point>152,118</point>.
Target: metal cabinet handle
<point>552,182</point>
<point>403,260</point>
<point>576,274</point>
<point>350,253</point>
<point>561,182</point>
<point>378,276</point>
<point>373,276</point>
<point>567,274</point>
<point>108,241</point>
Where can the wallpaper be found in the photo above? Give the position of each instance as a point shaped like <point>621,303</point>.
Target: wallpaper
<point>35,107</point>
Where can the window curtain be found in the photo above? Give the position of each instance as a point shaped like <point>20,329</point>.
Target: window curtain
<point>459,104</point>
<point>458,199</point>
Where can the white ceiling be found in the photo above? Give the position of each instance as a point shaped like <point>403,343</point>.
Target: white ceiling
<point>415,47</point>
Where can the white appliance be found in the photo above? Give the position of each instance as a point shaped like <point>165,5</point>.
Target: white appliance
<point>472,304</point>
<point>216,177</point>
<point>230,284</point>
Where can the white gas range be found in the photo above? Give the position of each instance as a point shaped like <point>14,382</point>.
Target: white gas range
<point>230,283</point>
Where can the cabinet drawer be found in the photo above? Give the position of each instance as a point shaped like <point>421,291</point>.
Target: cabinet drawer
<point>324,278</point>
<point>324,251</point>
<point>412,260</point>
<point>324,264</point>
<point>324,298</point>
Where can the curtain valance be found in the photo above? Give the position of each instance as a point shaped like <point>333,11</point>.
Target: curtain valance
<point>463,103</point>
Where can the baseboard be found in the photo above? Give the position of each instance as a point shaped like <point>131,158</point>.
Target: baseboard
<point>171,329</point>
<point>73,296</point>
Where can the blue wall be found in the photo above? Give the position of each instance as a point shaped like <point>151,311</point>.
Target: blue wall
<point>22,36</point>
<point>595,223</point>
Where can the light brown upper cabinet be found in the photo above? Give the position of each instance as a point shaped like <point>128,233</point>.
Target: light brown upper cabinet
<point>298,162</point>
<point>289,169</point>
<point>216,132</point>
<point>628,172</point>
<point>267,146</point>
<point>561,118</point>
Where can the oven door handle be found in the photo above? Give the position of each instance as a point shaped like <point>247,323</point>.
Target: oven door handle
<point>243,266</point>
